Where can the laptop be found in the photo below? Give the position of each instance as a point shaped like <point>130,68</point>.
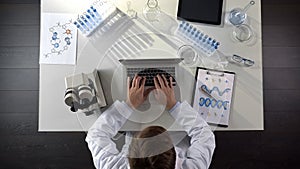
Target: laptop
<point>149,68</point>
<point>151,112</point>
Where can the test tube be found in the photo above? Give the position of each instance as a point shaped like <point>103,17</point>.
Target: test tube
<point>203,41</point>
<point>194,31</point>
<point>199,40</point>
<point>201,36</point>
<point>83,25</point>
<point>86,22</point>
<point>180,28</point>
<point>93,16</point>
<point>181,25</point>
<point>90,19</point>
<point>189,29</point>
<point>79,27</point>
<point>185,29</point>
<point>212,48</point>
<point>186,25</point>
<point>200,43</point>
<point>95,12</point>
<point>208,44</point>
<point>213,42</point>
<point>190,34</point>
<point>197,35</point>
<point>217,45</point>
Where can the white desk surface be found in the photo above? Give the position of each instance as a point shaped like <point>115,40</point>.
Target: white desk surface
<point>247,110</point>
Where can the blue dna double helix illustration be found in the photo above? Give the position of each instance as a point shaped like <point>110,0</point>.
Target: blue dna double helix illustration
<point>208,102</point>
<point>204,87</point>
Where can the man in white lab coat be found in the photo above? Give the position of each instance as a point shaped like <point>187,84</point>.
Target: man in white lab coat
<point>152,147</point>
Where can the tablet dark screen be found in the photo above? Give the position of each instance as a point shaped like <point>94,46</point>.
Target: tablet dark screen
<point>203,11</point>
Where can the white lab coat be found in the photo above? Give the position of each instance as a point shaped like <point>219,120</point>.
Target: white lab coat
<point>197,154</point>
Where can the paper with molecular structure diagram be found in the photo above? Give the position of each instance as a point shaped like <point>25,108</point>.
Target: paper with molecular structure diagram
<point>58,39</point>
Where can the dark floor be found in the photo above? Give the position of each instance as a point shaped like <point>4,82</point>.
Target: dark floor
<point>21,146</point>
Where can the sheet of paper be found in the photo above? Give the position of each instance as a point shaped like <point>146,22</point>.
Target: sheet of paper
<point>213,94</point>
<point>58,41</point>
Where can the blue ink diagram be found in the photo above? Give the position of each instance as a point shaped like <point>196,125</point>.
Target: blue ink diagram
<point>209,102</point>
<point>58,42</point>
<point>221,93</point>
<point>213,95</point>
<point>61,38</point>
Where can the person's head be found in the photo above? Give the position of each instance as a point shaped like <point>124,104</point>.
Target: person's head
<point>152,148</point>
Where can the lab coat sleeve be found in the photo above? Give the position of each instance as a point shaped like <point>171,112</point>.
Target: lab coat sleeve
<point>202,143</point>
<point>103,149</point>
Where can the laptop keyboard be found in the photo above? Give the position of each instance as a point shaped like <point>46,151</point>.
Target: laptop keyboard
<point>150,73</point>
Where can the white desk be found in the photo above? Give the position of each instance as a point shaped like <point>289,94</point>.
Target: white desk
<point>247,111</point>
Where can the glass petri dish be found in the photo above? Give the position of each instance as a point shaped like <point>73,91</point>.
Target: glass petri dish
<point>242,33</point>
<point>189,54</point>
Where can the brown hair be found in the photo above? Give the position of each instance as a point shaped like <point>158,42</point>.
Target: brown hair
<point>152,148</point>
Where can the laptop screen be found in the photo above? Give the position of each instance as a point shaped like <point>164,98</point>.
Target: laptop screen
<point>203,11</point>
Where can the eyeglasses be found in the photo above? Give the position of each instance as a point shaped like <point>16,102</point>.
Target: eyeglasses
<point>240,59</point>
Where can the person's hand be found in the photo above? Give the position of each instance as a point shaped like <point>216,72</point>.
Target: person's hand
<point>136,91</point>
<point>164,92</point>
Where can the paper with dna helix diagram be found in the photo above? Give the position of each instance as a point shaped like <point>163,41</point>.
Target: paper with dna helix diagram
<point>213,95</point>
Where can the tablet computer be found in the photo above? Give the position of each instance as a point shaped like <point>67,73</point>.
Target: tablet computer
<point>202,11</point>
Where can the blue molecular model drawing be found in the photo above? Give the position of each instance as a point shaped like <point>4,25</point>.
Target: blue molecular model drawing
<point>61,38</point>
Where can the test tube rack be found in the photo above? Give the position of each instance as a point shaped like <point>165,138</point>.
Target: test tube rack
<point>198,39</point>
<point>94,16</point>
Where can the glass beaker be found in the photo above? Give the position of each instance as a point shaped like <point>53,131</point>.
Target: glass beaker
<point>130,12</point>
<point>151,10</point>
<point>237,16</point>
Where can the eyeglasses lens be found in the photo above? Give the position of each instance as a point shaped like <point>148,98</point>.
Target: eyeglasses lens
<point>249,62</point>
<point>237,58</point>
